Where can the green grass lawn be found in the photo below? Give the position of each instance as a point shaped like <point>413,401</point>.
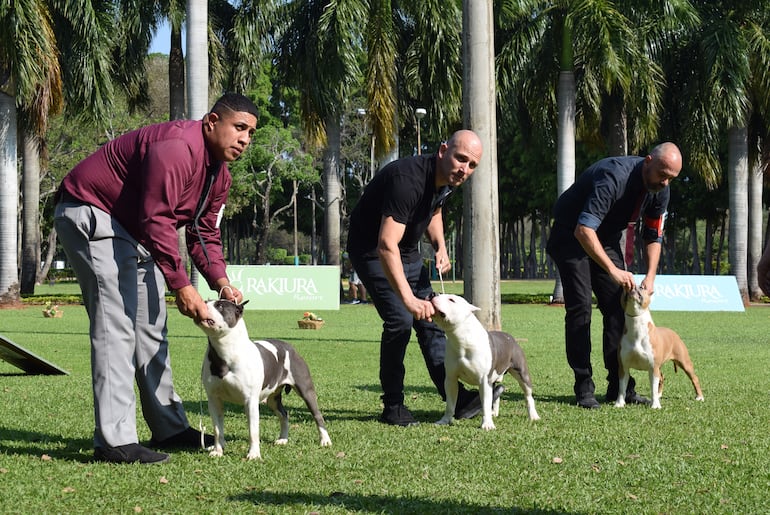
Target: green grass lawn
<point>689,457</point>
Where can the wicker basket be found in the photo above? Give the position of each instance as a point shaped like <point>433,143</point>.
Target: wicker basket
<point>310,324</point>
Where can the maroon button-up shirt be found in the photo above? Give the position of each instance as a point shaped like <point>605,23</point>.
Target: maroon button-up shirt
<point>150,180</point>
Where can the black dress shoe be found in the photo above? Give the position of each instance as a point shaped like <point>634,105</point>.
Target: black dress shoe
<point>188,439</point>
<point>397,415</point>
<point>634,398</point>
<point>473,407</point>
<point>588,401</point>
<point>130,453</point>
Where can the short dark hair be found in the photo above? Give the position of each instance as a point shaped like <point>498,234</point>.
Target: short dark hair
<point>235,102</point>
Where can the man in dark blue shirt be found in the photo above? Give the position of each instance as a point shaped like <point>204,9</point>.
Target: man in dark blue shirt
<point>589,219</point>
<point>398,207</point>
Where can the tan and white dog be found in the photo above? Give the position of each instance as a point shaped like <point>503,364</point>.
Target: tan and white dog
<point>478,357</point>
<point>239,370</point>
<point>647,347</point>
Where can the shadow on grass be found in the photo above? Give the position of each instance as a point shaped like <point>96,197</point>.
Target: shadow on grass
<point>39,444</point>
<point>378,503</point>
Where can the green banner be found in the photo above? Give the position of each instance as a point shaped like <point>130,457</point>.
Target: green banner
<point>271,287</point>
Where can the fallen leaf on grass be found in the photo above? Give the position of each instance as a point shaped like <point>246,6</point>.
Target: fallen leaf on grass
<point>137,509</point>
<point>632,496</point>
<point>557,460</point>
<point>163,480</point>
<point>723,446</point>
<point>340,454</point>
<point>3,471</point>
<point>67,490</point>
<point>46,457</point>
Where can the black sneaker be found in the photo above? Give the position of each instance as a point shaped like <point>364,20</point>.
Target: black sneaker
<point>188,439</point>
<point>397,415</point>
<point>130,453</point>
<point>634,398</point>
<point>473,407</point>
<point>588,401</point>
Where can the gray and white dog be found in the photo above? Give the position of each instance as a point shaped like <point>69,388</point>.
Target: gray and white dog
<point>478,357</point>
<point>239,370</point>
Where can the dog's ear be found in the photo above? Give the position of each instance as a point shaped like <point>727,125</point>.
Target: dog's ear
<point>244,302</point>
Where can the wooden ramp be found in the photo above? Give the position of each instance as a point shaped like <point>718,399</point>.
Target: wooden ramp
<point>30,363</point>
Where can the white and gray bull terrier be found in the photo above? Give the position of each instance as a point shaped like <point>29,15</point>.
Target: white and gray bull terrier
<point>239,370</point>
<point>644,346</point>
<point>478,357</point>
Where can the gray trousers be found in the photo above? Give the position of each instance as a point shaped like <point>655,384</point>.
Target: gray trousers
<point>123,292</point>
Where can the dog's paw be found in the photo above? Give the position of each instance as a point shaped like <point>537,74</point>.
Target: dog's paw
<point>281,441</point>
<point>656,405</point>
<point>216,453</point>
<point>444,421</point>
<point>488,425</point>
<point>699,398</point>
<point>254,455</point>
<point>620,403</point>
<point>534,416</point>
<point>325,440</point>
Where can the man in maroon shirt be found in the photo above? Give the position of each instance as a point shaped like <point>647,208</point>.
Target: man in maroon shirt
<point>117,217</point>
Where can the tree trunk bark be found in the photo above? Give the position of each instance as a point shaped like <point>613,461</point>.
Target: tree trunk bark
<point>197,70</point>
<point>9,202</point>
<point>30,235</point>
<point>480,198</point>
<point>738,169</point>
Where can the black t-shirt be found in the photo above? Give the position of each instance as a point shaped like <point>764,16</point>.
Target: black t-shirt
<point>608,196</point>
<point>403,189</point>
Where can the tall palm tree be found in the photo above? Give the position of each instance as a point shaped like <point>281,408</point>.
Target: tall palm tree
<point>317,53</point>
<point>724,63</point>
<point>481,236</point>
<point>29,76</point>
<point>79,69</point>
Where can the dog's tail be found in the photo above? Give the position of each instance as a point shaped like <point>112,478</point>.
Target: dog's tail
<point>676,368</point>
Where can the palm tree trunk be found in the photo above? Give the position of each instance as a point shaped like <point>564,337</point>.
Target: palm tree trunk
<point>30,238</point>
<point>332,192</point>
<point>738,170</point>
<point>756,232</point>
<point>9,201</point>
<point>482,242</point>
<point>197,70</point>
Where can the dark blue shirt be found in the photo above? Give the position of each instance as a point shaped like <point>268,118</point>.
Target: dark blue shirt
<point>608,196</point>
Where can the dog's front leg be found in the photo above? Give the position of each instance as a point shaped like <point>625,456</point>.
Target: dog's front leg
<point>451,388</point>
<point>655,380</point>
<point>485,392</point>
<point>252,415</point>
<point>216,411</point>
<point>624,375</point>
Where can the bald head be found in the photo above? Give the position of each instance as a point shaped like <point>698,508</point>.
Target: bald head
<point>661,166</point>
<point>458,158</point>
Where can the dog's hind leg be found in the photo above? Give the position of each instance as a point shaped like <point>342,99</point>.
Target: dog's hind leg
<point>522,377</point>
<point>690,371</point>
<point>275,403</point>
<point>309,395</point>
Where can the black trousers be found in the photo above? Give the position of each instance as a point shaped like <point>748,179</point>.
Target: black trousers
<point>397,327</point>
<point>580,277</point>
